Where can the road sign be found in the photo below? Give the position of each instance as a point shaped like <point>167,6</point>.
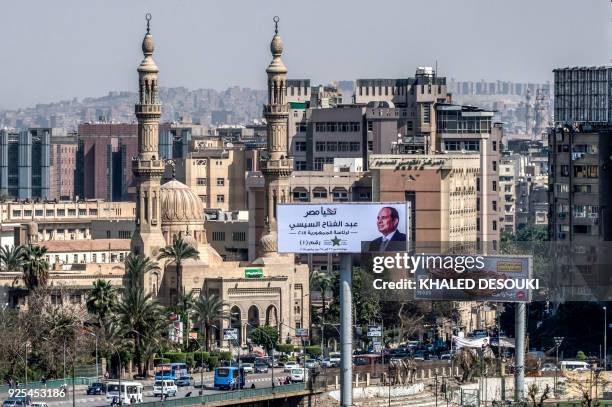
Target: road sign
<point>301,332</point>
<point>230,334</point>
<point>377,346</point>
<point>374,331</point>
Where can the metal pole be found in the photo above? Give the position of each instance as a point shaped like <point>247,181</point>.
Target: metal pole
<point>120,368</point>
<point>26,365</point>
<point>519,373</point>
<point>64,360</point>
<point>605,339</point>
<point>556,368</point>
<point>97,371</point>
<point>346,355</point>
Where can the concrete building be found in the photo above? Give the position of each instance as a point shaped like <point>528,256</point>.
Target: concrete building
<point>227,233</point>
<point>63,167</point>
<point>507,195</point>
<point>583,95</point>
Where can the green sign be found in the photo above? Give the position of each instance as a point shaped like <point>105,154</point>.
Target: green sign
<point>253,273</point>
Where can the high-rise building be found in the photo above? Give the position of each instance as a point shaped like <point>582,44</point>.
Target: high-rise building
<point>583,95</point>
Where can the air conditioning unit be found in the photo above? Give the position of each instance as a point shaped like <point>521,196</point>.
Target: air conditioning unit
<point>593,215</point>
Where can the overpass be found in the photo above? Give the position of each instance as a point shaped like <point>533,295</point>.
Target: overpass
<point>296,394</point>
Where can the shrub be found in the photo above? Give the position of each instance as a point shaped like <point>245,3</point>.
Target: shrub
<point>285,347</point>
<point>213,362</point>
<point>314,350</point>
<point>158,361</point>
<point>189,359</point>
<point>176,357</point>
<point>199,356</point>
<point>225,355</point>
<point>580,355</point>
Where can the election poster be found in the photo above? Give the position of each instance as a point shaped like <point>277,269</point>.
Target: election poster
<point>343,227</point>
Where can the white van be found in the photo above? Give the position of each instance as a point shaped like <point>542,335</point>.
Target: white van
<point>165,387</point>
<point>574,366</point>
<point>299,375</point>
<point>131,392</point>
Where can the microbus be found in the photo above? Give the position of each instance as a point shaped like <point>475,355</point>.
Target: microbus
<point>130,391</point>
<point>229,377</point>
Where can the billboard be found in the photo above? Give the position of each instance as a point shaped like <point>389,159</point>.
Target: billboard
<point>374,331</point>
<point>500,279</point>
<point>230,334</point>
<point>343,227</point>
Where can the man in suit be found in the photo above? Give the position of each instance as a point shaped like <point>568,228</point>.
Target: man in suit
<point>392,240</point>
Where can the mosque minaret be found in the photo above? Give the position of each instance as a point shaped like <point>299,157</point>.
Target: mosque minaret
<point>147,166</point>
<point>276,166</point>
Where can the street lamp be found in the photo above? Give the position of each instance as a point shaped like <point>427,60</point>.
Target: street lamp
<point>558,341</point>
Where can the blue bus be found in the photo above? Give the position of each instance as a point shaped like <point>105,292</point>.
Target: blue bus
<point>229,377</point>
<point>170,371</point>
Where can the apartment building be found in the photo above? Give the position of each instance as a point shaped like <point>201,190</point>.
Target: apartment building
<point>507,195</point>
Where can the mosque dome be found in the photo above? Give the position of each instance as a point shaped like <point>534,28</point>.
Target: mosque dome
<point>180,204</point>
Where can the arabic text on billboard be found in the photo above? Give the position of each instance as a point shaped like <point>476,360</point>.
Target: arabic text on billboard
<point>343,228</point>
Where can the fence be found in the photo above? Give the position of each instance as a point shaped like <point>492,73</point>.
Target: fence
<point>226,396</point>
<point>52,383</point>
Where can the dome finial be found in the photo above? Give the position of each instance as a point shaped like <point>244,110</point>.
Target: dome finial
<point>276,19</point>
<point>148,17</point>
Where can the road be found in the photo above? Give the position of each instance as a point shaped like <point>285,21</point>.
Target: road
<point>82,399</point>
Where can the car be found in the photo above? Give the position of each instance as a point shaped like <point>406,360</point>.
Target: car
<point>272,362</point>
<point>184,381</point>
<point>434,357</point>
<point>14,402</point>
<point>311,364</point>
<point>289,366</point>
<point>248,367</point>
<point>166,387</point>
<point>446,356</point>
<point>39,404</point>
<point>96,388</point>
<point>261,368</point>
<point>299,375</point>
<point>327,363</point>
<point>360,362</point>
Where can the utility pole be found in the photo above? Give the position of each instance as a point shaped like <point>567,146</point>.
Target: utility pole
<point>558,341</point>
<point>519,373</point>
<point>346,349</point>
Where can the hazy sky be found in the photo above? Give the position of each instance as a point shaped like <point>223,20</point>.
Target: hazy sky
<point>54,50</point>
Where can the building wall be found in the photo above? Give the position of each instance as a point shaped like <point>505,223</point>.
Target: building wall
<point>583,95</point>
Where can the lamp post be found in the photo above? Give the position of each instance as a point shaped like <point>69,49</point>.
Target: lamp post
<point>558,341</point>
<point>97,371</point>
<point>605,358</point>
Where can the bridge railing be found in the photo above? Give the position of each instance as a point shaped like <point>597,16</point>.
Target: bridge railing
<point>226,396</point>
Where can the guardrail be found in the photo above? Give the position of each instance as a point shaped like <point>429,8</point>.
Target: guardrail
<point>226,396</point>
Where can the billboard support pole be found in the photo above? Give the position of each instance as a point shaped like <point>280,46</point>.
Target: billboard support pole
<point>346,355</point>
<point>519,371</point>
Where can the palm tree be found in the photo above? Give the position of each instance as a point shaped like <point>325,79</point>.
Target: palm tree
<point>11,258</point>
<point>184,308</point>
<point>139,314</point>
<point>178,252</point>
<point>207,311</point>
<point>35,267</point>
<point>101,299</point>
<point>323,282</point>
<point>136,267</point>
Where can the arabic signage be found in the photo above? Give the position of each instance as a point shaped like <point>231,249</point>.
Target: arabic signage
<point>374,331</point>
<point>343,227</point>
<point>471,342</point>
<point>253,273</point>
<point>500,279</point>
<point>301,332</point>
<point>230,334</point>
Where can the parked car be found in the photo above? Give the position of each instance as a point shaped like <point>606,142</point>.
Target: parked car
<point>272,362</point>
<point>14,402</point>
<point>446,356</point>
<point>96,388</point>
<point>184,381</point>
<point>311,364</point>
<point>248,367</point>
<point>548,367</point>
<point>166,387</point>
<point>261,368</point>
<point>289,366</point>
<point>328,363</point>
<point>39,404</point>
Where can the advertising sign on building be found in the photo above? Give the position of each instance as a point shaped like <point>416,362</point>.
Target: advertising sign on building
<point>230,334</point>
<point>301,332</point>
<point>343,227</point>
<point>253,273</point>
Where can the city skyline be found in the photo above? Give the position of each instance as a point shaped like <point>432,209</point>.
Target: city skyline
<point>203,46</point>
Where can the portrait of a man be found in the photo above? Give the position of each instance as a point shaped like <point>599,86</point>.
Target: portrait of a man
<point>392,239</point>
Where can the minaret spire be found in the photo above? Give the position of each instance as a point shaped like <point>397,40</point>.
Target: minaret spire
<point>147,166</point>
<point>277,167</point>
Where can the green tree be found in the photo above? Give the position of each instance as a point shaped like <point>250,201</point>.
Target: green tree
<point>177,253</point>
<point>136,267</point>
<point>12,258</point>
<point>139,315</point>
<point>322,282</point>
<point>207,311</point>
<point>265,336</point>
<point>101,299</point>
<point>35,267</point>
<point>184,308</point>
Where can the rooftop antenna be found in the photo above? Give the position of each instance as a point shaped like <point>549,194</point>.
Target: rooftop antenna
<point>436,71</point>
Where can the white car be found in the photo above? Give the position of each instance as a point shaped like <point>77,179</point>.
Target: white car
<point>165,387</point>
<point>299,374</point>
<point>311,364</point>
<point>290,365</point>
<point>248,367</point>
<point>328,363</point>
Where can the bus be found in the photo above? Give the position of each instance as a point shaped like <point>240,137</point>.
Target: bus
<point>171,371</point>
<point>229,377</point>
<point>130,392</point>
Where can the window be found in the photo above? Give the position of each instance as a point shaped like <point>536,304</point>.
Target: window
<point>71,212</point>
<point>355,146</point>
<point>218,236</point>
<point>300,195</point>
<point>494,165</point>
<point>472,145</point>
<point>93,212</point>
<point>300,165</point>
<point>365,196</point>
<point>343,146</point>
<point>478,224</point>
<point>477,204</point>
<point>494,145</point>
<point>27,213</point>
<point>125,234</point>
<point>320,146</point>
<point>16,214</point>
<point>319,193</point>
<point>565,170</point>
<point>370,125</point>
<point>332,146</point>
<point>339,195</point>
<point>586,171</point>
<point>82,212</point>
<point>478,184</point>
<point>38,212</point>
<point>300,146</point>
<point>220,198</point>
<point>220,182</point>
<point>427,113</point>
<point>494,204</point>
<point>75,298</point>
<point>56,299</point>
<point>50,212</point>
<point>103,257</point>
<point>582,188</point>
<point>239,236</point>
<point>300,127</point>
<point>494,225</point>
<point>494,185</point>
<point>201,181</point>
<point>451,145</point>
<point>75,258</point>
